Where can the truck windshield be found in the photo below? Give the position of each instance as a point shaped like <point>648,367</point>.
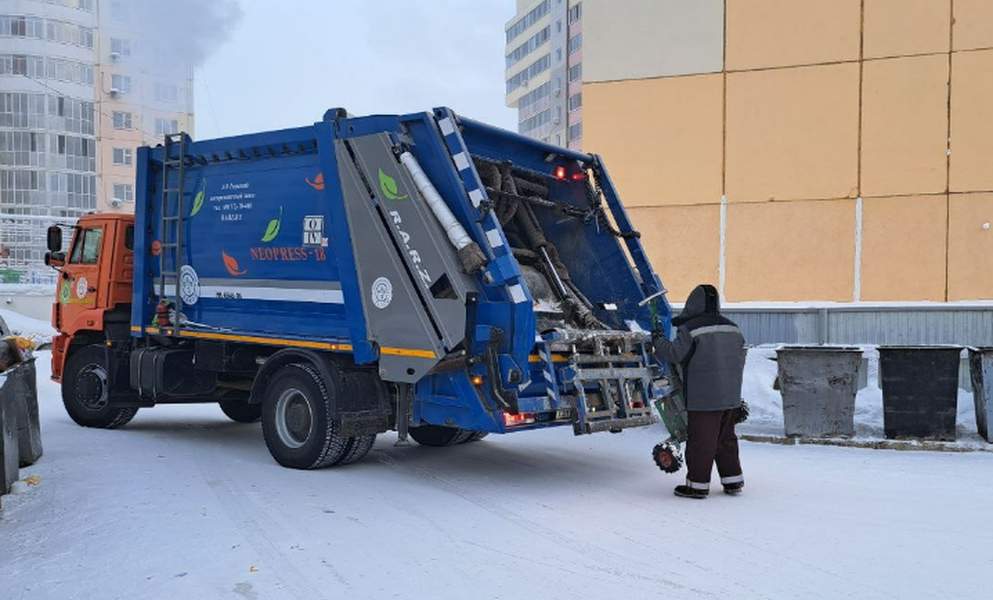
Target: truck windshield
<point>87,249</point>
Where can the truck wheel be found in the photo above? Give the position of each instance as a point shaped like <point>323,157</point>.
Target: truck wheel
<point>476,436</point>
<point>85,391</point>
<point>437,435</point>
<point>359,447</point>
<point>240,411</point>
<point>296,418</point>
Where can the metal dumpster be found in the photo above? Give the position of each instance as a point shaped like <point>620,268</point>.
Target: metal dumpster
<point>920,391</point>
<point>981,367</point>
<point>818,386</point>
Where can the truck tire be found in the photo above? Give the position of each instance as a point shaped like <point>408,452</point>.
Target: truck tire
<point>437,435</point>
<point>358,448</point>
<point>296,418</point>
<point>85,393</point>
<point>476,436</point>
<point>240,411</point>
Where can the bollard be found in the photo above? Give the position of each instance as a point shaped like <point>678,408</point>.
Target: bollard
<point>920,391</point>
<point>818,386</point>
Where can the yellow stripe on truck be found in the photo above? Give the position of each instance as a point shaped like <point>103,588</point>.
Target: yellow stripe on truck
<point>283,342</point>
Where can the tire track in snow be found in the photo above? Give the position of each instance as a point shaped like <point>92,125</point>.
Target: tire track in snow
<point>584,548</point>
<point>254,524</point>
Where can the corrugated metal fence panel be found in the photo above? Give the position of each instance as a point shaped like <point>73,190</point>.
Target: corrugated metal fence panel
<point>964,325</point>
<point>776,327</point>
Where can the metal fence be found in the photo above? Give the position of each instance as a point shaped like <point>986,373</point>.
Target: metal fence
<point>962,324</point>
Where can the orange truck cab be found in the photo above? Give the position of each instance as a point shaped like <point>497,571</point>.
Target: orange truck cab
<point>93,306</point>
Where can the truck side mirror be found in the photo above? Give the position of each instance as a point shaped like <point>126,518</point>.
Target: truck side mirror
<point>55,259</point>
<point>54,238</point>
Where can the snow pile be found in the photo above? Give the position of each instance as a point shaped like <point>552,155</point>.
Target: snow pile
<point>40,332</point>
<point>766,405</point>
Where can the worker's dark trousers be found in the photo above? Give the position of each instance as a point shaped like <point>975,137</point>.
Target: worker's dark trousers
<point>712,438</point>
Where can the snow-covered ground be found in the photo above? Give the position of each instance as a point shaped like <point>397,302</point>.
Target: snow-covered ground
<point>183,503</point>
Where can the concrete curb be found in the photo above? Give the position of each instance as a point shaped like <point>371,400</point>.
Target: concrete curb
<point>903,445</point>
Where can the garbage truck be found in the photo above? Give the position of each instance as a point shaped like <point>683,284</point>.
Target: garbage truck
<point>423,273</point>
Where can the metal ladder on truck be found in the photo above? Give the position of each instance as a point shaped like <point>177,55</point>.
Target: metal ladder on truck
<point>171,224</point>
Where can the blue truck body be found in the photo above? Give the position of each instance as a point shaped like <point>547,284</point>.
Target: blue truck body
<point>269,241</point>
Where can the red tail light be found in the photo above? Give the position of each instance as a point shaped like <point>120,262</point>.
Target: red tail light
<point>522,419</point>
<point>578,176</point>
<point>560,173</point>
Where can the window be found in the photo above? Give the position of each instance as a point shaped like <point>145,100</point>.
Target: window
<point>166,92</point>
<point>535,95</point>
<point>129,237</point>
<point>575,43</point>
<point>18,26</point>
<point>122,120</point>
<point>165,126</point>
<point>122,156</point>
<point>558,26</point>
<point>576,13</point>
<point>528,125</point>
<point>527,21</point>
<point>87,248</point>
<point>575,131</point>
<point>124,191</point>
<point>120,47</point>
<point>528,47</point>
<point>121,83</point>
<point>575,72</point>
<point>539,66</point>
<point>575,101</point>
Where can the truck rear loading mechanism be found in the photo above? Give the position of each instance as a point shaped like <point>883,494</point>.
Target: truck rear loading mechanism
<point>425,273</point>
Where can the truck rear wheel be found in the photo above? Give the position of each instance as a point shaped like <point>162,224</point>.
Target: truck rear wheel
<point>438,435</point>
<point>296,418</point>
<point>86,391</point>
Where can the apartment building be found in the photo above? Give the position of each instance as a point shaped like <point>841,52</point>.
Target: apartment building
<point>545,69</point>
<point>82,85</point>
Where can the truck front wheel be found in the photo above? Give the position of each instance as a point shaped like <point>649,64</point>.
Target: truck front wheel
<point>296,418</point>
<point>86,391</point>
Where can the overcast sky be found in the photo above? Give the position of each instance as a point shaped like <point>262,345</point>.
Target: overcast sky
<point>284,63</point>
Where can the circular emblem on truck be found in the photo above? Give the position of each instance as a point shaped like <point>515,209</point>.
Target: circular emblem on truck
<point>382,292</point>
<point>81,286</point>
<point>189,285</point>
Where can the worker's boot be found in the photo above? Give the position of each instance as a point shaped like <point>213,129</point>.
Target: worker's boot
<point>733,489</point>
<point>686,491</point>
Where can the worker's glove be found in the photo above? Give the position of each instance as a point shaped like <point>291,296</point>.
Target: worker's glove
<point>742,413</point>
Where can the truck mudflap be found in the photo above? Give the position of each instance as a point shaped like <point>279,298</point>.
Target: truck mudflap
<point>609,377</point>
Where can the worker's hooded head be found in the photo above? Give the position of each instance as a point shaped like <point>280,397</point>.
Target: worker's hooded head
<point>703,299</point>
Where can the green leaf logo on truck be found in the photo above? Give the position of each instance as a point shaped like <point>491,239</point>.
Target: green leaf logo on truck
<point>389,187</point>
<point>273,229</point>
<point>198,200</point>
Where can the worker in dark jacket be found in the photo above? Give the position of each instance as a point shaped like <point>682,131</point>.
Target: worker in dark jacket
<point>711,353</point>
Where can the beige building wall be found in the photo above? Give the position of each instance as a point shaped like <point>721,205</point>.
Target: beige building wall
<point>842,151</point>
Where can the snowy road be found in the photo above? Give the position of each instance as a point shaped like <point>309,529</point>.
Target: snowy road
<point>183,503</point>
